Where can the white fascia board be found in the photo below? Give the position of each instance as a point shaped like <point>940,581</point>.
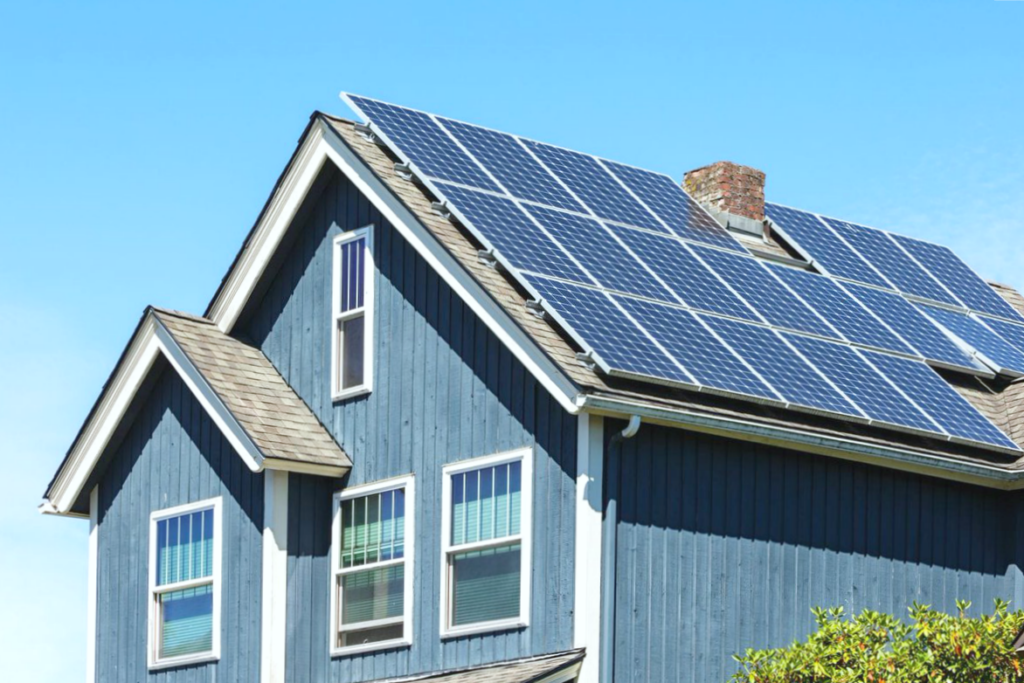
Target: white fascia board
<point>151,340</point>
<point>112,406</point>
<point>589,515</point>
<point>322,144</point>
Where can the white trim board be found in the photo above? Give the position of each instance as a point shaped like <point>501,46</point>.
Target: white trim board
<point>274,633</point>
<point>93,586</point>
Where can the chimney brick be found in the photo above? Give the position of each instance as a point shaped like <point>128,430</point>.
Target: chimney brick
<point>725,187</point>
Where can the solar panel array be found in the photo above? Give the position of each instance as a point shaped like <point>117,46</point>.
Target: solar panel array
<point>655,289</point>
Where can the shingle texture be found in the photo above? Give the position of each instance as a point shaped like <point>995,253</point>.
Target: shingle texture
<point>517,671</point>
<point>1003,404</point>
<point>280,424</point>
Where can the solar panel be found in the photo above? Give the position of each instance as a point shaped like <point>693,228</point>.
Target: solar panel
<point>692,281</point>
<point>861,383</point>
<point>678,210</point>
<point>998,352</point>
<point>911,325</point>
<point>767,295</point>
<point>1013,334</point>
<point>967,285</point>
<point>840,309</point>
<point>941,401</point>
<point>696,348</point>
<point>790,375</point>
<point>604,258</point>
<point>512,165</point>
<point>821,245</point>
<point>504,225</point>
<point>594,185</point>
<point>885,255</point>
<point>424,142</point>
<point>618,344</point>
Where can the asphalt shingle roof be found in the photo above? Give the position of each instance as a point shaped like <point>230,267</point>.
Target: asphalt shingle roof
<point>516,671</point>
<point>280,424</point>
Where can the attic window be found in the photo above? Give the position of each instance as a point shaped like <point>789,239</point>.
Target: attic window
<point>352,333</point>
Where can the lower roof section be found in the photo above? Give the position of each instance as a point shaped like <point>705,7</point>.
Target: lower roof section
<point>554,668</point>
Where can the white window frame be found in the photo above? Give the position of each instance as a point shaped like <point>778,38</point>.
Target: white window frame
<point>155,591</point>
<point>408,482</point>
<point>525,539</point>
<point>366,310</point>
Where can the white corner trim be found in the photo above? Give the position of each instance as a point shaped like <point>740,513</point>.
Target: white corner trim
<point>93,586</point>
<point>151,340</point>
<point>275,577</point>
<point>589,504</point>
<point>208,398</point>
<point>322,144</point>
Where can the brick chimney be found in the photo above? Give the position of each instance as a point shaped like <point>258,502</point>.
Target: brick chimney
<point>733,194</point>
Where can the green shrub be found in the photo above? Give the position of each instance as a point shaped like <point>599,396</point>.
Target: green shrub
<point>932,647</point>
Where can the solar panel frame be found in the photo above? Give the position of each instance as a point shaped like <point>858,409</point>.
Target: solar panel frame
<point>484,213</point>
<point>817,242</point>
<point>879,249</point>
<point>524,178</point>
<point>855,322</point>
<point>965,284</point>
<point>420,147</point>
<point>598,189</point>
<point>715,366</point>
<point>880,400</point>
<point>795,379</point>
<point>555,293</point>
<point>767,295</point>
<point>989,347</point>
<point>931,342</point>
<point>692,282</point>
<point>951,411</point>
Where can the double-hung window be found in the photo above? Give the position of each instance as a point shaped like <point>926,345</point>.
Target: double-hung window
<point>371,583</point>
<point>352,334</point>
<point>184,584</point>
<point>486,544</point>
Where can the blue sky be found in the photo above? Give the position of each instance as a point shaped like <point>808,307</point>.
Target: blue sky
<point>139,141</point>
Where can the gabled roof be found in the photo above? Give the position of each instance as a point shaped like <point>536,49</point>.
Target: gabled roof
<point>700,411</point>
<point>555,668</point>
<point>260,415</point>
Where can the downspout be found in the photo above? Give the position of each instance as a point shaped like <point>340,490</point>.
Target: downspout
<point>608,551</point>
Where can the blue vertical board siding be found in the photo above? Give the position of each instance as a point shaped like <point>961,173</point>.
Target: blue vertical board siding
<point>444,389</point>
<point>723,545</point>
<point>173,454</point>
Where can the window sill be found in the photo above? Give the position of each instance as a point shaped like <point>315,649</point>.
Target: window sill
<point>370,647</point>
<point>487,627</point>
<point>350,393</point>
<point>188,660</point>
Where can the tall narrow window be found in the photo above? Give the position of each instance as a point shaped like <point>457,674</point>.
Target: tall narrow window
<point>486,544</point>
<point>352,358</point>
<point>184,573</point>
<point>372,578</point>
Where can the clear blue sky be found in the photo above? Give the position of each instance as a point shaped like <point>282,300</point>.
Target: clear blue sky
<point>138,142</point>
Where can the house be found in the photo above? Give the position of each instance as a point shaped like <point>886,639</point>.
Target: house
<point>406,442</point>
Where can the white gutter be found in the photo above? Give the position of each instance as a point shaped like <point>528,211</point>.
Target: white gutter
<point>982,474</point>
